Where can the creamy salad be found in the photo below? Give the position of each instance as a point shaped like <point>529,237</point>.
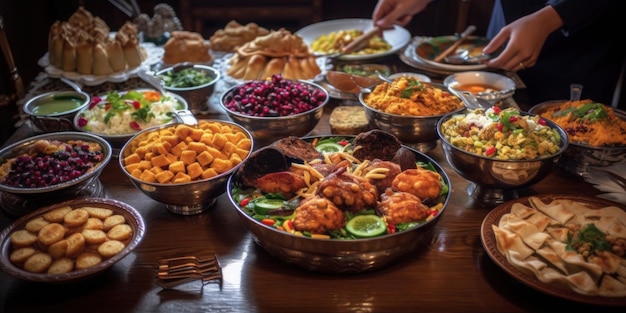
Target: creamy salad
<point>124,113</point>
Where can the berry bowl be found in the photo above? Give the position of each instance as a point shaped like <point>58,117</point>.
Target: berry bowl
<point>51,167</point>
<point>270,109</point>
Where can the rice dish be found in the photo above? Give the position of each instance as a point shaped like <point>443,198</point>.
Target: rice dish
<point>128,113</point>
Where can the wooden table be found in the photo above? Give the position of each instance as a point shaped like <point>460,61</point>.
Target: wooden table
<point>453,274</point>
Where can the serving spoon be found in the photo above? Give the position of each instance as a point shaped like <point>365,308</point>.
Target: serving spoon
<point>463,57</point>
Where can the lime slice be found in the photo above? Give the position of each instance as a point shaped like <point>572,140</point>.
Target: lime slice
<point>329,147</point>
<point>363,226</point>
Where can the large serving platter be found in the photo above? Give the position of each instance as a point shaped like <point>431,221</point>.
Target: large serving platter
<point>154,55</point>
<point>398,37</point>
<point>489,243</point>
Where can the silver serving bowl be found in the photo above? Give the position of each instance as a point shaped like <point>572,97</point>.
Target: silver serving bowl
<point>492,87</point>
<point>118,140</point>
<point>268,129</point>
<point>579,156</point>
<point>188,198</point>
<point>20,200</point>
<point>132,217</point>
<point>197,96</point>
<point>419,132</point>
<point>495,181</point>
<point>341,256</point>
<point>58,116</point>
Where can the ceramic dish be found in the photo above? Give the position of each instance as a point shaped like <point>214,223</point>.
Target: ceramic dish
<point>409,57</point>
<point>428,49</point>
<point>397,37</point>
<point>131,216</point>
<point>154,55</point>
<point>489,243</point>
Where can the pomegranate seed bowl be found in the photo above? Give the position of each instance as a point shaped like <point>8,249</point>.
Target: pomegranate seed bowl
<point>52,167</point>
<point>272,109</point>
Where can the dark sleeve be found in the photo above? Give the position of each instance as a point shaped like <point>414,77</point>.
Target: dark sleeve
<point>577,14</point>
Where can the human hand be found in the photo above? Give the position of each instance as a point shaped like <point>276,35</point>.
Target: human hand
<point>524,39</point>
<point>400,12</point>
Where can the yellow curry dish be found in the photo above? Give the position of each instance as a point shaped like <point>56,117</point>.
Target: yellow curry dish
<point>408,96</point>
<point>588,122</point>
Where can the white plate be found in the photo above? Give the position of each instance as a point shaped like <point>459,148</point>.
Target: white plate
<point>154,55</point>
<point>397,37</point>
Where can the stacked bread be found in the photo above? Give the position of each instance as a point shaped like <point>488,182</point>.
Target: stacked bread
<point>235,35</point>
<point>184,46</point>
<point>83,45</point>
<point>279,52</point>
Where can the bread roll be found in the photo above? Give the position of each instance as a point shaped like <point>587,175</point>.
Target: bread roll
<point>292,68</point>
<point>69,56</point>
<point>115,55</point>
<point>100,64</point>
<point>84,58</point>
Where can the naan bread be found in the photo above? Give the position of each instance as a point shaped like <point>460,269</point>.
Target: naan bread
<point>555,210</point>
<point>508,241</point>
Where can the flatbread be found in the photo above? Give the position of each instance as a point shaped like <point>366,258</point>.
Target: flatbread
<point>555,210</point>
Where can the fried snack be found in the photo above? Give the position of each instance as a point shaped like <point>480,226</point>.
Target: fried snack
<point>75,245</point>
<point>120,232</point>
<point>56,215</point>
<point>234,35</point>
<point>75,217</point>
<point>58,249</point>
<point>100,213</point>
<point>36,224</point>
<point>51,233</point>
<point>61,266</point>
<point>113,221</point>
<point>22,238</point>
<point>94,236</point>
<point>87,259</point>
<point>110,248</point>
<point>22,254</point>
<point>38,263</point>
<point>93,223</point>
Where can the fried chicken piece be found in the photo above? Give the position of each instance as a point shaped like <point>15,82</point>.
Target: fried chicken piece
<point>382,173</point>
<point>348,192</point>
<point>285,183</point>
<point>401,207</point>
<point>420,182</point>
<point>296,148</point>
<point>318,215</point>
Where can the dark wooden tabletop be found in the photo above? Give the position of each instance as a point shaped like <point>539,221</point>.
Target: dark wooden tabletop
<point>452,274</point>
